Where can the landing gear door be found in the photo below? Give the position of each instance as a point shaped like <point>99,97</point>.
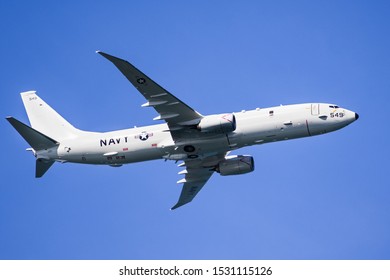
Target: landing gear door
<point>315,109</point>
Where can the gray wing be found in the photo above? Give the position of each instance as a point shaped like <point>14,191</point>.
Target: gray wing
<point>171,109</point>
<point>180,118</point>
<point>197,173</point>
<point>194,181</point>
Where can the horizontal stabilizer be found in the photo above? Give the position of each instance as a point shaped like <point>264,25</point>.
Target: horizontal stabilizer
<point>37,140</point>
<point>42,166</point>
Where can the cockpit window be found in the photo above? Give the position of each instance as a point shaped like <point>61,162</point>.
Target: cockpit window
<point>334,106</point>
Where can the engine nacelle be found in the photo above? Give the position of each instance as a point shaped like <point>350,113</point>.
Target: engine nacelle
<point>223,123</point>
<point>236,165</point>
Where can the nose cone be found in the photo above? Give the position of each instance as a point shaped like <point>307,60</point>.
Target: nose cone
<point>349,117</point>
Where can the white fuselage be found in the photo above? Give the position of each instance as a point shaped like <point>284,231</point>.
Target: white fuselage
<point>155,142</point>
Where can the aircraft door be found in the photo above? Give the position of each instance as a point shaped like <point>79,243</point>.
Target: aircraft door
<point>315,109</point>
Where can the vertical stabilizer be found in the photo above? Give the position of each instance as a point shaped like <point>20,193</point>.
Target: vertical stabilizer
<point>44,119</point>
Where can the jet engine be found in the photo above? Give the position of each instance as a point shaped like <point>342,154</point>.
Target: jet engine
<point>236,165</point>
<point>223,123</point>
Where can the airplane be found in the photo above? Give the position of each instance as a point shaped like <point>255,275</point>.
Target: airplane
<point>201,143</point>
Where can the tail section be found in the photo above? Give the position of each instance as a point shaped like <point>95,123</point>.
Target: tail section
<point>44,119</point>
<point>47,125</point>
<point>38,142</point>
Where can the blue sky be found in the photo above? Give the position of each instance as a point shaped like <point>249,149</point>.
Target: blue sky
<point>324,197</point>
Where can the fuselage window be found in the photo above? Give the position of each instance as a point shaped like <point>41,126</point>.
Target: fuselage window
<point>271,113</point>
